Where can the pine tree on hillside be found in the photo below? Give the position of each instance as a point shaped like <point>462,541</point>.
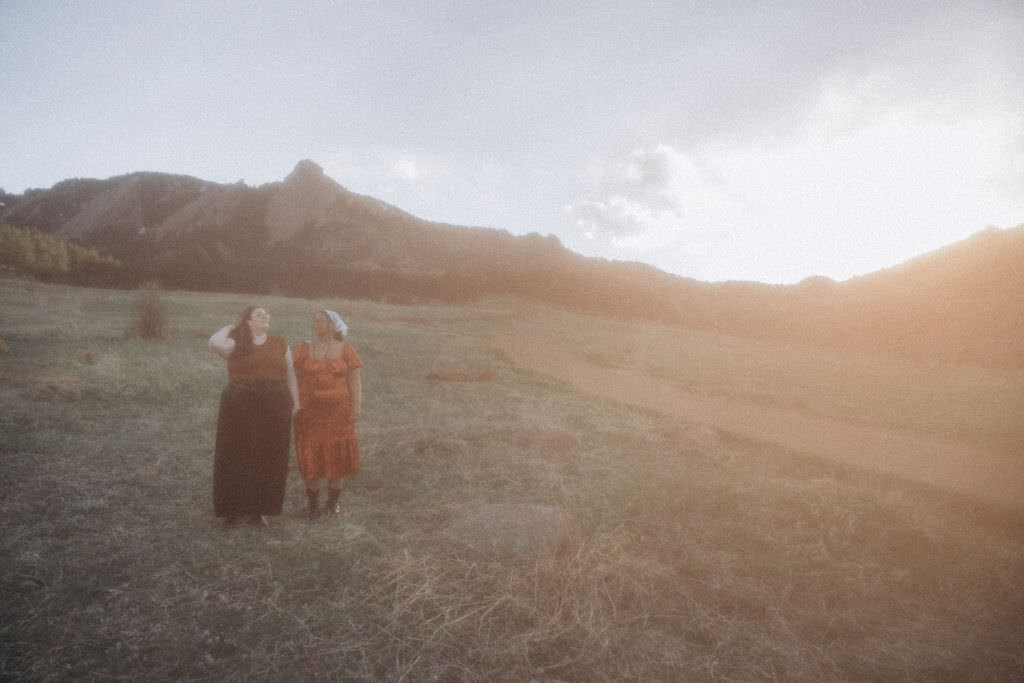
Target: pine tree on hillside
<point>31,251</point>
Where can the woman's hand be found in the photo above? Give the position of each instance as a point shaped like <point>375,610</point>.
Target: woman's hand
<point>221,343</point>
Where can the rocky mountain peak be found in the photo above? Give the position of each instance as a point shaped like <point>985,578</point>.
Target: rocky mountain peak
<point>305,198</point>
<point>304,171</point>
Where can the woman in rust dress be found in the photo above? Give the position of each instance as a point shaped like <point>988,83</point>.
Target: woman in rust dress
<point>330,394</point>
<point>250,465</point>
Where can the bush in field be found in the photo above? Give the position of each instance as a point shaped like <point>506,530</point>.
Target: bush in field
<point>151,314</point>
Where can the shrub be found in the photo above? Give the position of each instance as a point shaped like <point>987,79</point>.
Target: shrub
<point>151,314</point>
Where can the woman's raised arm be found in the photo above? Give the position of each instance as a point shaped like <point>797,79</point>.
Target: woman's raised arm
<point>292,381</point>
<point>221,343</point>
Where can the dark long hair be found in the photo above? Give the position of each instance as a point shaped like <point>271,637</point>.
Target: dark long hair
<point>242,334</point>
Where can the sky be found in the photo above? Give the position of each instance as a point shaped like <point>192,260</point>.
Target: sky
<point>729,140</point>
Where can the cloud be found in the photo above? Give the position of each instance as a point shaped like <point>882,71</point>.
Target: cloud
<point>877,176</point>
<point>653,198</point>
<point>386,171</point>
<point>405,169</point>
<point>873,166</point>
<point>433,185</point>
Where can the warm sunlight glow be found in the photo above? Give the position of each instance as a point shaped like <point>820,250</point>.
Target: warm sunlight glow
<point>739,141</point>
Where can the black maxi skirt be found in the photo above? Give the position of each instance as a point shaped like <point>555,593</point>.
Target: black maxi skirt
<point>250,464</point>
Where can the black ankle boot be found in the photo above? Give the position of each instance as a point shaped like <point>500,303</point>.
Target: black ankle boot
<point>314,503</point>
<point>332,507</point>
<point>258,521</point>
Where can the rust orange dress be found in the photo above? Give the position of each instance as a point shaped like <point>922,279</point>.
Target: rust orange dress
<point>325,438</point>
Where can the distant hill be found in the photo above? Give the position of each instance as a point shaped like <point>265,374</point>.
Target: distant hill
<point>964,302</point>
<point>309,236</point>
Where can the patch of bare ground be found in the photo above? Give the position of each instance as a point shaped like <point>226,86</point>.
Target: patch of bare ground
<point>450,369</point>
<point>996,477</point>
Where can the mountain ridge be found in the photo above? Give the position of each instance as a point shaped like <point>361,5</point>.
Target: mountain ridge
<point>308,235</point>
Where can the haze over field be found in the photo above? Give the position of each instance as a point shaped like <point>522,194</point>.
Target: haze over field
<point>694,553</point>
<point>741,140</point>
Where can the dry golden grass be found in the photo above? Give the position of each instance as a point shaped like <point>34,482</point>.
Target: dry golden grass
<point>696,555</point>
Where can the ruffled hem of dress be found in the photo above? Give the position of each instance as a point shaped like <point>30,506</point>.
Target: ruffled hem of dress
<point>328,460</point>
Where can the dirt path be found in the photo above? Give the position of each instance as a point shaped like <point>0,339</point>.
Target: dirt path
<point>994,477</point>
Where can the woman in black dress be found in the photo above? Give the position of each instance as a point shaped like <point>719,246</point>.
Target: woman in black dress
<point>250,465</point>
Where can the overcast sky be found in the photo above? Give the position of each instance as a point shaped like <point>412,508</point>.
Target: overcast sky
<point>749,140</point>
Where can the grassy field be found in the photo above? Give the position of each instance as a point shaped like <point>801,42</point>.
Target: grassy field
<point>696,555</point>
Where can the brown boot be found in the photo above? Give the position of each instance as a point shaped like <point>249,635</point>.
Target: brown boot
<point>332,507</point>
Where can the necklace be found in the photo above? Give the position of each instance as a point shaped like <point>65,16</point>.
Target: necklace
<point>321,350</point>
